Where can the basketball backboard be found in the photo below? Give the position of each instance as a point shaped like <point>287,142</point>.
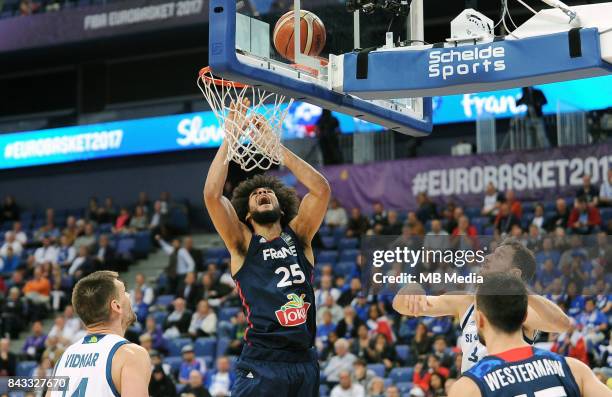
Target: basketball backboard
<point>242,49</point>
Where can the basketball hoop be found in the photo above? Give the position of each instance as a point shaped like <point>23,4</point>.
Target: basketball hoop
<point>251,119</point>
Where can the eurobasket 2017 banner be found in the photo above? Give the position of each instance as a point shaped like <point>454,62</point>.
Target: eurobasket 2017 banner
<point>533,175</point>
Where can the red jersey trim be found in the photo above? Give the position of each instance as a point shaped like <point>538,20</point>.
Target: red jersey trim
<point>518,354</point>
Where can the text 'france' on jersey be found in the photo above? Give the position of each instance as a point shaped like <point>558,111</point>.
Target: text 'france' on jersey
<point>275,286</point>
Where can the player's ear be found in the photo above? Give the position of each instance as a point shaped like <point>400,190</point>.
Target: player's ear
<point>479,319</point>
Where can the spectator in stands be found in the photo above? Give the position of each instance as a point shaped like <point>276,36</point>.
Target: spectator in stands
<point>605,192</point>
<point>20,235</point>
<point>143,202</point>
<point>394,226</point>
<point>436,386</point>
<point>415,225</point>
<point>361,343</point>
<point>8,360</point>
<point>376,388</point>
<point>195,253</point>
<point>195,386</point>
<point>161,385</point>
<point>13,312</point>
<point>453,219</point>
<point>381,352</point>
<point>35,343</point>
<point>93,209</point>
<point>346,387</point>
<point>53,350</point>
<point>11,241</point>
<point>139,221</point>
<point>426,210</point>
<point>64,335</point>
<point>492,198</point>
<point>212,290</point>
<point>165,201</point>
<point>66,252</point>
<point>122,221</point>
<point>156,333</point>
<point>464,228</point>
<point>73,323</point>
<point>147,292</point>
<point>203,321</point>
<point>9,262</point>
<point>325,327</point>
<point>180,262</point>
<point>334,309</point>
<point>71,230</point>
<point>88,239</point>
<point>346,298</point>
<point>589,192</point>
<point>219,382</point>
<point>357,225</point>
<point>420,345</point>
<point>140,308</point>
<point>573,300</point>
<point>178,320</point>
<point>325,290</point>
<point>37,292</point>
<point>188,290</point>
<point>559,219</point>
<point>190,363</point>
<point>48,229</point>
<point>341,361</point>
<point>584,218</point>
<point>336,215</point>
<point>361,374</point>
<point>82,265</point>
<point>440,350</point>
<point>593,322</point>
<point>61,283</point>
<point>538,217</point>
<point>106,257</point>
<point>379,215</point>
<point>348,326</point>
<point>547,275</point>
<point>158,221</point>
<point>505,219</point>
<point>436,238</point>
<point>10,209</point>
<point>515,205</point>
<point>108,213</point>
<point>239,323</point>
<point>47,253</point>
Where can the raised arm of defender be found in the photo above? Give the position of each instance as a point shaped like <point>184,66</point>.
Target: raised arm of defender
<point>314,204</point>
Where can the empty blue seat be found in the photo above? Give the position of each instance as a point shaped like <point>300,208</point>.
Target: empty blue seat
<point>323,391</point>
<point>25,368</point>
<point>226,313</point>
<point>174,363</point>
<point>328,256</point>
<point>125,246</point>
<point>378,369</point>
<point>222,345</point>
<point>329,242</point>
<point>160,317</point>
<point>472,212</point>
<point>324,231</point>
<point>401,374</point>
<point>175,346</point>
<point>348,243</point>
<point>404,387</point>
<point>219,252</point>
<point>105,228</point>
<point>403,352</point>
<point>142,244</point>
<point>344,268</point>
<point>348,255</point>
<point>164,300</point>
<point>205,347</point>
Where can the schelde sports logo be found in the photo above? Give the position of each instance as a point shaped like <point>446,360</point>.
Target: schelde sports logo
<point>475,60</point>
<point>193,132</point>
<point>293,312</point>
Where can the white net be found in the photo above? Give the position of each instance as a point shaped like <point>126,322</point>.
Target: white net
<point>251,118</point>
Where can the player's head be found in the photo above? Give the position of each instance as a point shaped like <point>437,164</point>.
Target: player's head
<point>100,299</point>
<point>501,305</point>
<point>510,257</point>
<point>265,200</point>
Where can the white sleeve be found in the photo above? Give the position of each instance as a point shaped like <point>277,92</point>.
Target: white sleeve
<point>188,260</point>
<point>165,246</point>
<point>148,296</point>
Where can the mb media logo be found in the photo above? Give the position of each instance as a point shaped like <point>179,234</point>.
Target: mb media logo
<point>463,62</point>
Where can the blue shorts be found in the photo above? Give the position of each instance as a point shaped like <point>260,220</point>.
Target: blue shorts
<point>275,373</point>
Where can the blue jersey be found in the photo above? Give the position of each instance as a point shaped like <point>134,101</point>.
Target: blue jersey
<point>524,372</point>
<point>275,286</point>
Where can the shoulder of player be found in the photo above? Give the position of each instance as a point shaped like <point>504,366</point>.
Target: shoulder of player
<point>465,387</point>
<point>131,351</point>
<point>578,368</point>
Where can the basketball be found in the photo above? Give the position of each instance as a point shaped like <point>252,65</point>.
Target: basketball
<point>312,34</point>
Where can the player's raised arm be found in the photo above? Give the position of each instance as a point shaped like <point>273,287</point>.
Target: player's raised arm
<point>136,370</point>
<point>544,315</point>
<point>314,204</point>
<point>588,383</point>
<point>220,209</point>
<point>411,302</point>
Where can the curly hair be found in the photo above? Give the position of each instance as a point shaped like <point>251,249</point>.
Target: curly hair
<point>287,197</point>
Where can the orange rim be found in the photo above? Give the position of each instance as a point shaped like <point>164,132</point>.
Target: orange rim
<point>207,74</point>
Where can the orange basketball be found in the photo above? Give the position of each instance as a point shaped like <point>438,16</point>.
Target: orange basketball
<point>312,34</point>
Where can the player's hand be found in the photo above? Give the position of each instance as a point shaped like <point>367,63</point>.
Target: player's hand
<point>237,114</point>
<point>416,304</point>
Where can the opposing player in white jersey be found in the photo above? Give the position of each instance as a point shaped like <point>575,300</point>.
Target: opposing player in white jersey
<point>509,257</point>
<point>104,363</point>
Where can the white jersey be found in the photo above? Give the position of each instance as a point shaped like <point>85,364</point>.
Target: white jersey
<point>471,347</point>
<point>87,364</point>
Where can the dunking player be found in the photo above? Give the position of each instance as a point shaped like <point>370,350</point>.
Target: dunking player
<point>513,368</point>
<point>103,363</point>
<point>269,239</point>
<point>511,257</point>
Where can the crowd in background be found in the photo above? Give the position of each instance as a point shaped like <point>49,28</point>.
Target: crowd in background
<point>190,318</point>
